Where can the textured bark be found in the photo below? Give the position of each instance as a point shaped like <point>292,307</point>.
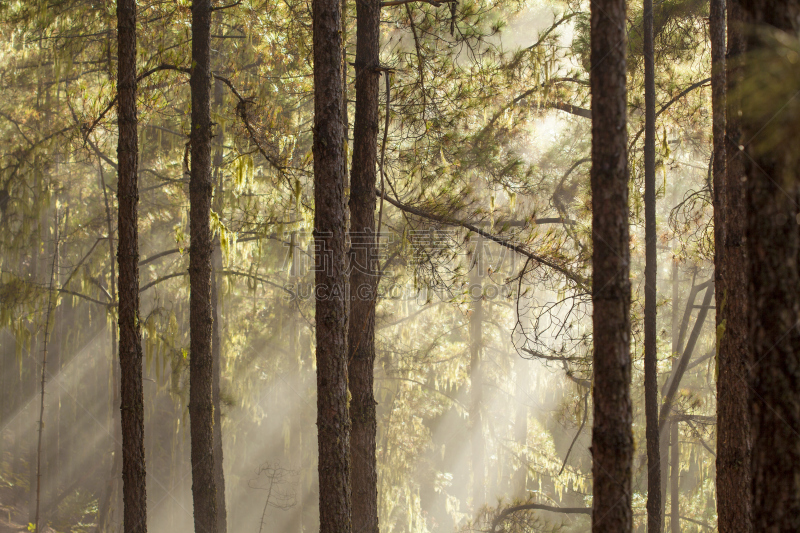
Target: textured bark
<point>650,282</point>
<point>364,270</point>
<point>201,407</point>
<point>216,336</point>
<point>734,506</point>
<point>773,246</point>
<point>333,419</point>
<point>134,493</point>
<point>663,447</point>
<point>476,382</point>
<point>612,439</point>
<point>345,103</point>
<point>716,25</point>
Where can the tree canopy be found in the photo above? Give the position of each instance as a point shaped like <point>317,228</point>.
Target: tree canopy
<point>482,238</point>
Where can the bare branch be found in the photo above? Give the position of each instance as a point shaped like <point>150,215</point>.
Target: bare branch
<point>434,3</point>
<point>666,106</point>
<point>503,242</point>
<point>228,6</point>
<point>164,278</point>
<point>89,298</point>
<point>537,507</point>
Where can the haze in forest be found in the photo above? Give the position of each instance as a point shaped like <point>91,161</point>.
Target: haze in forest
<point>410,265</point>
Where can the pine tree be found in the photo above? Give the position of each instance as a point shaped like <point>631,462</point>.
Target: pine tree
<point>773,246</point>
<point>201,407</point>
<point>130,340</point>
<point>612,440</point>
<point>650,286</point>
<point>733,337</point>
<point>364,270</point>
<point>331,288</point>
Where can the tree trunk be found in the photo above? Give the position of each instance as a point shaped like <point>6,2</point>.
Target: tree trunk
<point>773,246</point>
<point>32,473</point>
<point>650,282</point>
<point>216,336</point>
<point>364,271</point>
<point>201,407</point>
<point>612,439</point>
<point>134,492</point>
<point>39,268</point>
<point>683,363</point>
<point>345,102</point>
<point>476,381</point>
<point>333,419</point>
<point>663,441</point>
<point>733,348</point>
<point>675,463</point>
<point>48,314</point>
<point>64,315</point>
<point>716,25</point>
<point>687,314</point>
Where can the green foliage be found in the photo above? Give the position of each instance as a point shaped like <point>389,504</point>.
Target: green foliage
<point>480,131</point>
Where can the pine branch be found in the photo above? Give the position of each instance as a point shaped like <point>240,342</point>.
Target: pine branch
<point>448,221</point>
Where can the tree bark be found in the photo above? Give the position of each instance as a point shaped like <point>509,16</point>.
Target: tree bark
<point>773,247</point>
<point>716,28</point>
<point>364,274</point>
<point>650,282</point>
<point>733,348</point>
<point>333,419</point>
<point>201,407</point>
<point>612,438</point>
<point>134,493</point>
<point>216,335</point>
